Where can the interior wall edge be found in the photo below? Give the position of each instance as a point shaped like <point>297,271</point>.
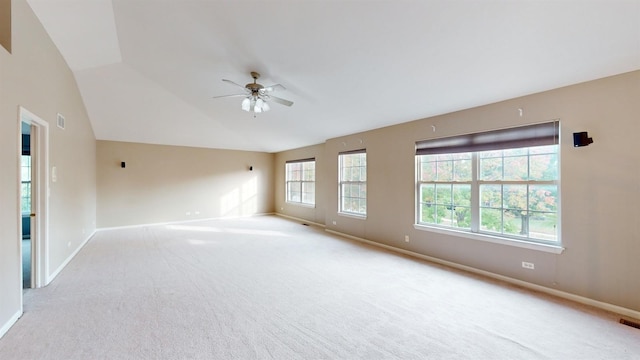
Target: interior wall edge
<point>620,310</point>
<point>12,320</point>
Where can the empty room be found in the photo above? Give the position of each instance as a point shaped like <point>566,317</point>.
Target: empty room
<point>421,179</point>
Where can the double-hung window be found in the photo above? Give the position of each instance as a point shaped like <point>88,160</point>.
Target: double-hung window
<point>352,182</point>
<point>301,181</point>
<point>501,183</point>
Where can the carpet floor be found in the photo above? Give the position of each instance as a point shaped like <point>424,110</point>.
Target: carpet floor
<point>26,263</point>
<point>271,288</point>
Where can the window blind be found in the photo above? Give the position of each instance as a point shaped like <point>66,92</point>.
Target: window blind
<point>359,151</point>
<point>517,137</point>
<point>299,160</point>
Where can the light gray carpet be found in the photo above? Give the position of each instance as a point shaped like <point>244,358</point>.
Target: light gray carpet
<point>26,263</point>
<point>270,288</point>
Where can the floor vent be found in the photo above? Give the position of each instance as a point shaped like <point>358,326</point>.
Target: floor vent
<point>631,323</point>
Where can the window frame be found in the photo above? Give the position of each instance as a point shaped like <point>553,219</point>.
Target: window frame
<point>302,182</point>
<point>473,230</point>
<point>360,184</point>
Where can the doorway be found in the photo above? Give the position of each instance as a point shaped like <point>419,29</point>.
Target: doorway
<point>26,174</point>
<point>33,212</point>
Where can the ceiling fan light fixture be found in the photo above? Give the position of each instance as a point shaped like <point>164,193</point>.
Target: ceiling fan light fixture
<point>256,95</point>
<point>246,104</point>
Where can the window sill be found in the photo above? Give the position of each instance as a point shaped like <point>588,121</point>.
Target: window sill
<point>355,216</point>
<point>555,249</point>
<point>301,204</point>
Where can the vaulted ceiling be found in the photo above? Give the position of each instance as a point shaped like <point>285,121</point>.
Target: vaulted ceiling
<point>148,69</point>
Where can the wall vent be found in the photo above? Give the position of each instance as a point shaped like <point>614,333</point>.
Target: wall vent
<point>60,121</point>
<point>631,323</point>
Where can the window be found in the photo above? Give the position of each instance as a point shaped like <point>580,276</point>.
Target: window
<point>502,183</point>
<point>352,191</point>
<point>25,191</point>
<point>301,181</point>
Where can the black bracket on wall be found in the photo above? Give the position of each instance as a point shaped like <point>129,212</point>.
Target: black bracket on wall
<point>581,139</point>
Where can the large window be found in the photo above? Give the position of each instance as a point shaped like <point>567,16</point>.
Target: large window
<point>352,189</point>
<point>502,183</point>
<point>301,181</point>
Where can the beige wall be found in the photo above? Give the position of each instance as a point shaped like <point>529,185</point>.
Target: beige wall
<point>163,183</point>
<point>600,185</point>
<point>37,78</point>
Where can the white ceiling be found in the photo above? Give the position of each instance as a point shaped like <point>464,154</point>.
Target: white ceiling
<point>148,69</point>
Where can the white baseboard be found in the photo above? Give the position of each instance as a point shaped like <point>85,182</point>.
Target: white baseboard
<point>6,326</point>
<point>301,220</point>
<point>543,289</point>
<point>53,275</point>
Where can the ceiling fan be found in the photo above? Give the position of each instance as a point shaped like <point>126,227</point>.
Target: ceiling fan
<point>256,96</point>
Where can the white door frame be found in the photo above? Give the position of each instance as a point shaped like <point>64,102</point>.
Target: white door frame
<point>40,197</point>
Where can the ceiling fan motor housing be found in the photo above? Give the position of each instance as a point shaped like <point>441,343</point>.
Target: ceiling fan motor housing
<point>254,87</point>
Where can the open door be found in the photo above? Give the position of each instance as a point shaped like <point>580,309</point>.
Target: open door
<point>34,179</point>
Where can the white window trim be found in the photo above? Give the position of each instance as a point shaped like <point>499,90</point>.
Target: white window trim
<point>475,198</point>
<point>286,188</point>
<point>342,212</point>
<point>474,232</point>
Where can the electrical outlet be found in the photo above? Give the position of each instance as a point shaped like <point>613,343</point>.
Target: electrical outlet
<point>528,265</point>
<point>406,238</point>
<point>188,213</point>
<point>335,222</point>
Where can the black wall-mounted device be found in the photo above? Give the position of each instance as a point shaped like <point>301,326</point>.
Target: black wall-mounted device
<point>122,164</point>
<point>250,168</point>
<point>581,139</point>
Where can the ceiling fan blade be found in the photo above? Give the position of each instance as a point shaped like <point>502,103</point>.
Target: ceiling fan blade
<point>225,96</point>
<point>274,87</point>
<point>280,100</point>
<point>236,84</point>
